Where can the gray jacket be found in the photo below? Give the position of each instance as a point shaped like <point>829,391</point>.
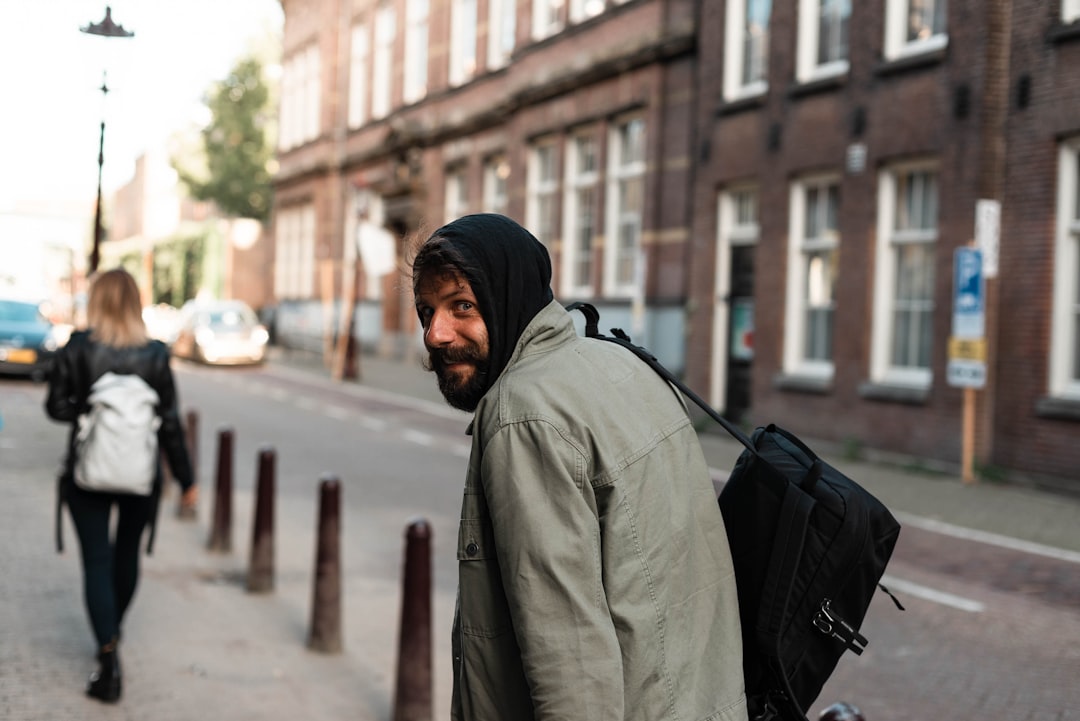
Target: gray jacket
<point>595,579</point>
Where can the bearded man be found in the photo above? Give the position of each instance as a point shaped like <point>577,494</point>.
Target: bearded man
<point>595,579</point>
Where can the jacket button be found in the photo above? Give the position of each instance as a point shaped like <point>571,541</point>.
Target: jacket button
<point>472,548</point>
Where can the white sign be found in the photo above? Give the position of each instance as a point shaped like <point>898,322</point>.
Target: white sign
<point>376,247</point>
<point>965,373</point>
<point>988,234</point>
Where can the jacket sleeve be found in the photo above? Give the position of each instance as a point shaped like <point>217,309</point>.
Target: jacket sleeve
<point>547,539</point>
<point>171,432</point>
<point>61,401</point>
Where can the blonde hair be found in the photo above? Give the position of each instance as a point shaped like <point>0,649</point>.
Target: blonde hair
<point>114,310</point>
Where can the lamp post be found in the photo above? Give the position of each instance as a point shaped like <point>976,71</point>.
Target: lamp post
<point>109,29</point>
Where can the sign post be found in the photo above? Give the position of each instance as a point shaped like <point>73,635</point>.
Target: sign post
<point>967,346</point>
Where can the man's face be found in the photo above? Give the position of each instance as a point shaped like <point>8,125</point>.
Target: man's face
<point>455,336</point>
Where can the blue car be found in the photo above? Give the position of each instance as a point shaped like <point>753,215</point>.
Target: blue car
<point>28,340</point>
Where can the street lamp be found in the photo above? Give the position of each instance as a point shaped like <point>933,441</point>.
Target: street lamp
<point>108,29</point>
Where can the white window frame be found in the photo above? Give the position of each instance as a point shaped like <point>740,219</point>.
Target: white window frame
<point>547,18</point>
<point>382,64</point>
<point>416,50</point>
<point>579,181</point>
<point>735,87</point>
<point>1070,11</point>
<point>294,263</point>
<point>1065,318</point>
<point>897,44</point>
<point>542,191</point>
<point>889,241</point>
<point>800,247</point>
<point>457,193</point>
<point>582,10</point>
<point>496,175</point>
<point>359,59</point>
<point>300,98</point>
<point>502,21</point>
<point>617,216</point>
<point>809,43</point>
<point>463,19</point>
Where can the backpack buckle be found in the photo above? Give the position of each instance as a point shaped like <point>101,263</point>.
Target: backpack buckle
<point>831,624</point>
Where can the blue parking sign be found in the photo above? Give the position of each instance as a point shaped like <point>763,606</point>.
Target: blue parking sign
<point>969,294</point>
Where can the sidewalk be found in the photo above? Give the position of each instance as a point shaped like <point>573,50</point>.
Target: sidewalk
<point>918,496</point>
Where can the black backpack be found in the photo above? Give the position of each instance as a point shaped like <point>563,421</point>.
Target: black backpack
<point>809,546</point>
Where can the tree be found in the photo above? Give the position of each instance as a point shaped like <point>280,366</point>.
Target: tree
<point>237,149</point>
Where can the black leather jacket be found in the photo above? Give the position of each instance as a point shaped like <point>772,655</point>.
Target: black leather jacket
<point>82,361</point>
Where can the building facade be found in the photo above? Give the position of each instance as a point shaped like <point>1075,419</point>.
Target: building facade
<point>770,195</point>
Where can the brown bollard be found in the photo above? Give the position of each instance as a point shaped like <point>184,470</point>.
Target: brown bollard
<point>191,435</point>
<point>221,530</point>
<point>260,577</point>
<point>325,635</point>
<point>842,712</point>
<point>412,700</point>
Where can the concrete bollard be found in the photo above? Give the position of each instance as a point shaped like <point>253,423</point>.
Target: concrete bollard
<point>325,633</point>
<point>221,525</point>
<point>412,699</point>
<point>260,577</point>
<point>191,434</point>
<point>842,712</point>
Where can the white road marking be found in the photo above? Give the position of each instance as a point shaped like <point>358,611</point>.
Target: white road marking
<point>993,539</point>
<point>373,424</point>
<point>424,439</point>
<point>337,413</point>
<point>932,594</point>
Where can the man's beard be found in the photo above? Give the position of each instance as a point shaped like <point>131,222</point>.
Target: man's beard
<point>463,393</point>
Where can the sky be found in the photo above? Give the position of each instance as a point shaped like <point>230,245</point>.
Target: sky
<point>51,75</point>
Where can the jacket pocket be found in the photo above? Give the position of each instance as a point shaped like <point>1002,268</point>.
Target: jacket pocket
<point>482,605</point>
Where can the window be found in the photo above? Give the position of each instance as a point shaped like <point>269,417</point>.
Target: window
<point>1065,323</point>
<point>914,26</point>
<point>581,10</point>
<point>294,265</point>
<point>625,207</point>
<point>582,179</point>
<point>542,189</point>
<point>547,18</point>
<point>1070,11</point>
<point>416,50</point>
<point>457,194</point>
<point>823,38</point>
<point>496,173</point>
<point>463,42</point>
<point>358,75</point>
<point>904,276</point>
<point>300,99</point>
<point>747,48</point>
<point>382,63</point>
<point>502,18</point>
<point>812,264</point>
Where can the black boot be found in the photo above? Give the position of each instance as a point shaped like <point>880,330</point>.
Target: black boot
<point>105,682</point>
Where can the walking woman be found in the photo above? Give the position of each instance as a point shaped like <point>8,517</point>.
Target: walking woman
<point>116,342</point>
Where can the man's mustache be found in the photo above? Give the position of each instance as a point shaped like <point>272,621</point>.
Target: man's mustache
<point>439,358</point>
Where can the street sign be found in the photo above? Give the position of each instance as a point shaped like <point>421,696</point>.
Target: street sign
<point>966,374</point>
<point>968,349</point>
<point>988,234</point>
<point>969,294</point>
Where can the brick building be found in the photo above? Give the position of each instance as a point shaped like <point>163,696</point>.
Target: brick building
<point>768,194</point>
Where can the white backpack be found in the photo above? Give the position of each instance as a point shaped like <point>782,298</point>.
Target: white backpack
<point>116,446</point>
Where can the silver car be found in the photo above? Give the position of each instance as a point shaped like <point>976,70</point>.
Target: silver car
<point>220,332</point>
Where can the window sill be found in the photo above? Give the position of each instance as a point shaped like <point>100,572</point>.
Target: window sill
<point>907,395</point>
<point>1062,409</point>
<point>738,105</point>
<point>814,85</point>
<point>796,383</point>
<point>1065,32</point>
<point>907,63</point>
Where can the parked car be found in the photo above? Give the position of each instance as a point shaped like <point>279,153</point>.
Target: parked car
<point>223,332</point>
<point>162,322</point>
<point>28,339</point>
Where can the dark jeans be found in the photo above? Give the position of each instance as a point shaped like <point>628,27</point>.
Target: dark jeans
<point>110,566</point>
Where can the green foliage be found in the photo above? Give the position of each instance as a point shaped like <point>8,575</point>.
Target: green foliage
<point>238,150</point>
<point>178,269</point>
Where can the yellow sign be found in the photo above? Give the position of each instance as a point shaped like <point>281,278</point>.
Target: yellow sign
<point>971,349</point>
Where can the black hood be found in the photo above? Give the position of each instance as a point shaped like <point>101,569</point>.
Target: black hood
<point>510,274</point>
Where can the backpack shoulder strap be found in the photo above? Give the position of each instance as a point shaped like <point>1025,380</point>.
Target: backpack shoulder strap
<point>592,330</point>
